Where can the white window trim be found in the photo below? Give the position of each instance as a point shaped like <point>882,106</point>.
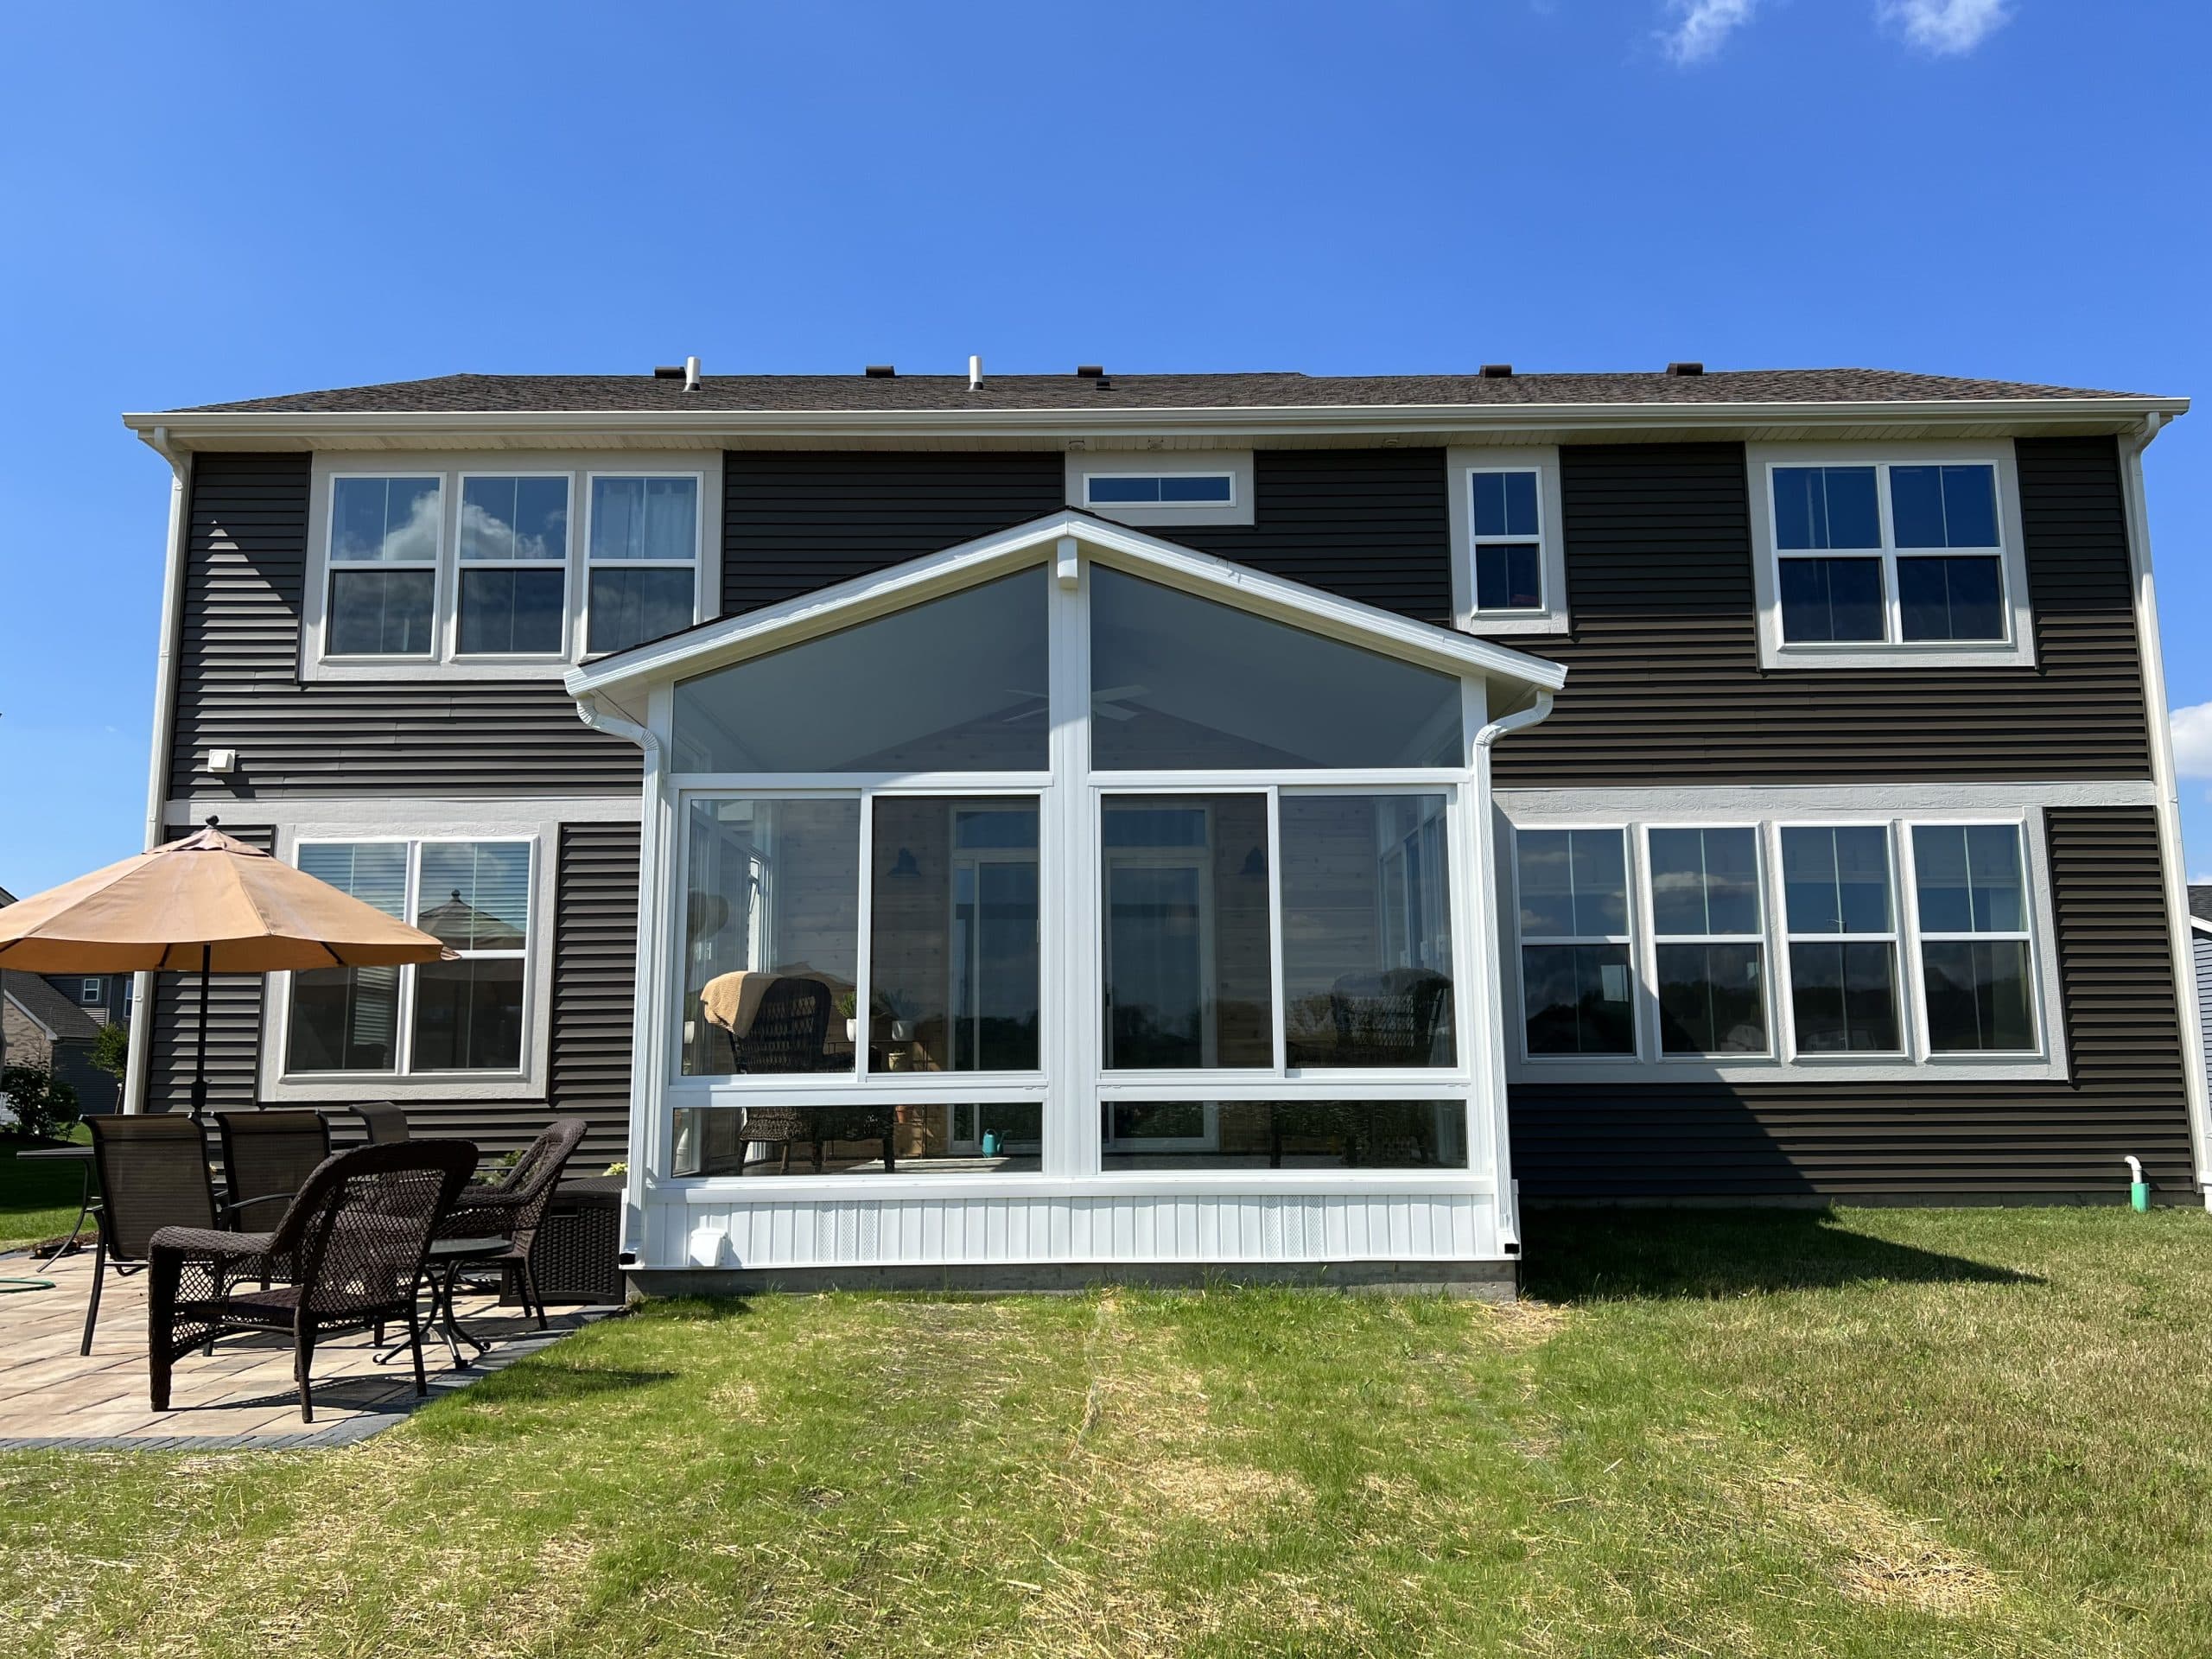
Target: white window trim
<point>1644,902</point>
<point>2017,649</point>
<point>1072,1083</point>
<point>417,822</point>
<point>1083,465</point>
<point>449,637</point>
<point>1906,855</point>
<point>1460,466</point>
<point>582,610</point>
<point>88,993</point>
<point>1895,808</point>
<point>445,666</point>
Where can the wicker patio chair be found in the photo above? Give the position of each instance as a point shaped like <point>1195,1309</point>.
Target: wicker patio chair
<point>790,1032</point>
<point>357,1231</point>
<point>511,1209</point>
<point>268,1156</point>
<point>153,1173</point>
<point>1389,1019</point>
<point>386,1123</point>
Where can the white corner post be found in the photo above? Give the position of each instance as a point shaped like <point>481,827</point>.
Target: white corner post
<point>2172,861</point>
<point>157,781</point>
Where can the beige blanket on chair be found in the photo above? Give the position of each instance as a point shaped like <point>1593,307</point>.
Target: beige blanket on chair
<point>731,1000</point>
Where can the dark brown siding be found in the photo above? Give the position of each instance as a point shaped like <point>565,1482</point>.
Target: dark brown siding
<point>1664,684</point>
<point>239,686</point>
<point>594,961</point>
<point>794,522</point>
<point>1371,524</point>
<point>1940,1141</point>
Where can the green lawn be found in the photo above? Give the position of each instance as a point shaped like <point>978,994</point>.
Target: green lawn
<point>36,1200</point>
<point>1872,1432</point>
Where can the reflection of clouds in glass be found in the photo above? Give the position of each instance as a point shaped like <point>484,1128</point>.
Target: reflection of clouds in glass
<point>484,535</point>
<point>385,520</point>
<point>515,518</point>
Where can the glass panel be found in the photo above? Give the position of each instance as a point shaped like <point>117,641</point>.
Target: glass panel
<point>476,896</point>
<point>1284,1135</point>
<point>954,955</point>
<point>1969,878</point>
<point>380,612</point>
<point>771,936</point>
<point>1577,997</point>
<point>1951,599</point>
<point>1201,487</point>
<point>1821,508</point>
<point>1944,507</point>
<point>1509,576</point>
<point>1917,505</point>
<point>514,518</point>
<point>1979,1000</point>
<point>510,611</point>
<point>1366,930</point>
<point>1113,491</point>
<point>468,1015</point>
<point>1705,882</point>
<point>655,519</point>
<point>1836,880</point>
<point>347,1019</point>
<point>926,1138</point>
<point>384,520</point>
<point>1573,883</point>
<point>1824,600</point>
<point>1179,682</point>
<point>956,684</point>
<point>1844,997</point>
<point>1187,969</point>
<point>631,607</point>
<point>1505,503</point>
<point>1712,999</point>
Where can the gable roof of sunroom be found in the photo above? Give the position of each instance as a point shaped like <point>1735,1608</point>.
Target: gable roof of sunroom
<point>623,679</point>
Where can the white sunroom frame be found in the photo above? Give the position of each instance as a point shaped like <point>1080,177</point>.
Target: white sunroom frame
<point>631,694</point>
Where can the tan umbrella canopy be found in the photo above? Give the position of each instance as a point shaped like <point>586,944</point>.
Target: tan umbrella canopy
<point>208,903</point>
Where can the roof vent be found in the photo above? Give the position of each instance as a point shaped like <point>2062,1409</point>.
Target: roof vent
<point>691,374</point>
<point>1497,370</point>
<point>1686,368</point>
<point>1089,371</point>
<point>669,371</point>
<point>881,371</point>
<point>975,371</point>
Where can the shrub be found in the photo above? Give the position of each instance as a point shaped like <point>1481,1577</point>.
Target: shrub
<point>111,1049</point>
<point>42,1104</point>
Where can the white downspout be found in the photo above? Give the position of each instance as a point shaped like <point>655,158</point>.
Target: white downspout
<point>1508,1193</point>
<point>2171,855</point>
<point>643,1073</point>
<point>158,780</point>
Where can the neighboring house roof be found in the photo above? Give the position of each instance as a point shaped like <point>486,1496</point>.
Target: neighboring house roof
<point>6,896</point>
<point>54,1014</point>
<point>858,393</point>
<point>2200,906</point>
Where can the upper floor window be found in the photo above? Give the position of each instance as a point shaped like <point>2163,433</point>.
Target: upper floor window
<point>1143,490</point>
<point>88,991</point>
<point>481,568</point>
<point>1152,489</point>
<point>1509,559</point>
<point>1910,555</point>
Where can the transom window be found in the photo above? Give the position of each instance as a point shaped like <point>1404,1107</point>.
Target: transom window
<point>1949,972</point>
<point>457,1017</point>
<point>479,567</point>
<point>1889,552</point>
<point>1158,489</point>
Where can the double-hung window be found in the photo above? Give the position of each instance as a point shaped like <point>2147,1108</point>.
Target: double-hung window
<point>384,535</point>
<point>1912,556</point>
<point>465,1015</point>
<point>514,564</point>
<point>1799,942</point>
<point>644,558</point>
<point>1509,560</point>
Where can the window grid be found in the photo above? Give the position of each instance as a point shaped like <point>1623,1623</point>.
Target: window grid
<point>1625,940</point>
<point>336,569</point>
<point>465,566</point>
<point>1922,937</point>
<point>1647,887</point>
<point>1901,984</point>
<point>1532,540</point>
<point>1890,554</point>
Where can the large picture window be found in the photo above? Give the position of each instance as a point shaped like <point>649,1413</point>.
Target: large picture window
<point>467,1015</point>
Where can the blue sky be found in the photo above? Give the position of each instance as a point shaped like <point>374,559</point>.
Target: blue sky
<point>207,203</point>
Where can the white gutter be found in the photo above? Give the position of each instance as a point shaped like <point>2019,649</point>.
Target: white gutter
<point>141,1006</point>
<point>1493,986</point>
<point>311,429</point>
<point>2179,923</point>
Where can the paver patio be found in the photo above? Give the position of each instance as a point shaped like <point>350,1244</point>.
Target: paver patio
<point>243,1395</point>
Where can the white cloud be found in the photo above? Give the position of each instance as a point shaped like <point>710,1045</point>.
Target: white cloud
<point>1946,27</point>
<point>1701,26</point>
<point>2192,728</point>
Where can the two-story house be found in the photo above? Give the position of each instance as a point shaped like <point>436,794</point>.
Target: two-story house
<point>998,829</point>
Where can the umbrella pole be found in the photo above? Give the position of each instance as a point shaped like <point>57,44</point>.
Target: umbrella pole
<point>199,1069</point>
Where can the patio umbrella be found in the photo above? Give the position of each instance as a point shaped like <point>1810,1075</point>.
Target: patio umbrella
<point>208,904</point>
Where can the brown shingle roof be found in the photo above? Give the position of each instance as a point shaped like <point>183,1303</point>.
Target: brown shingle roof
<point>2200,902</point>
<point>47,1006</point>
<point>862,394</point>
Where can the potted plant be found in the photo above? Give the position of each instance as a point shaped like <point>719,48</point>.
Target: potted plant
<point>848,1005</point>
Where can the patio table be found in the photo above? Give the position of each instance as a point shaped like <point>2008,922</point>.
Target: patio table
<point>81,1156</point>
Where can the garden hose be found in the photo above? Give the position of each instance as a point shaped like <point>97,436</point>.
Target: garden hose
<point>14,1286</point>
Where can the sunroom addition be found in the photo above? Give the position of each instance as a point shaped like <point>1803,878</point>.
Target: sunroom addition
<point>995,902</point>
